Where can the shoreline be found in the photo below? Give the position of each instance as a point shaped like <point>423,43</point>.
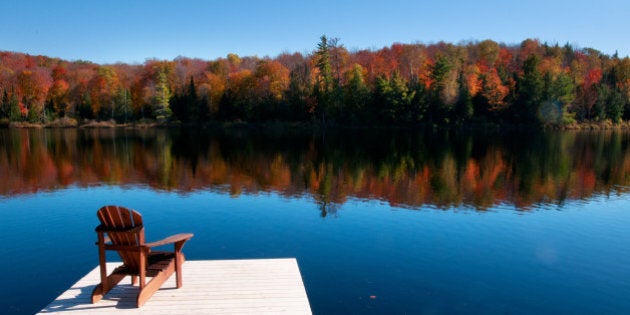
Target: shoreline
<point>68,123</point>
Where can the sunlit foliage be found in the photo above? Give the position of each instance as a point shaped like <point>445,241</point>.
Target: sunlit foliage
<point>531,83</point>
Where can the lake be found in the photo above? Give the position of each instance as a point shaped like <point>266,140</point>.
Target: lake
<point>380,221</point>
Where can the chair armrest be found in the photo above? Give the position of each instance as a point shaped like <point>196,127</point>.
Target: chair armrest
<point>132,232</point>
<point>171,239</point>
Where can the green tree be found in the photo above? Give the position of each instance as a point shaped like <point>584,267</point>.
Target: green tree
<point>299,93</point>
<point>356,95</point>
<point>160,109</point>
<point>558,94</point>
<point>530,92</point>
<point>464,106</point>
<point>438,108</point>
<point>123,104</point>
<point>563,89</point>
<point>177,104</point>
<point>604,93</point>
<point>420,102</point>
<point>324,85</point>
<point>15,112</point>
<point>193,111</point>
<point>616,106</point>
<point>392,99</point>
<point>325,77</point>
<point>610,104</point>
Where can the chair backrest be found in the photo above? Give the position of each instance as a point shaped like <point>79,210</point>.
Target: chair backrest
<point>116,220</point>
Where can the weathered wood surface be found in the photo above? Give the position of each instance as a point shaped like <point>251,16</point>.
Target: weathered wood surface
<point>260,286</point>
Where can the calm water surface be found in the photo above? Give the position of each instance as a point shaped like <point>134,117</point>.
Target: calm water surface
<point>393,222</point>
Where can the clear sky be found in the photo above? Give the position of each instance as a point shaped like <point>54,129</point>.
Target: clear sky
<point>107,31</point>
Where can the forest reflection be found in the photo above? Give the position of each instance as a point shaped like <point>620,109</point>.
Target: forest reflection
<point>405,168</point>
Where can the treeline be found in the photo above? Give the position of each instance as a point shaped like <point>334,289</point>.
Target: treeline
<point>404,84</point>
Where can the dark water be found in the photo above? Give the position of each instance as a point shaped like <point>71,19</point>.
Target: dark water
<point>382,222</point>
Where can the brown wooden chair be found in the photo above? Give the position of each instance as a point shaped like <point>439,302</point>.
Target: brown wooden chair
<point>125,234</point>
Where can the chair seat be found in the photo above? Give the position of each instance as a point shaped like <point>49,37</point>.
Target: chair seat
<point>156,263</point>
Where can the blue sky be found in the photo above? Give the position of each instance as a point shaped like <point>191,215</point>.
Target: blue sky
<point>131,31</point>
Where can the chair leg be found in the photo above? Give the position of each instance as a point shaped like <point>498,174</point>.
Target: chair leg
<point>102,288</point>
<point>179,261</point>
<point>156,282</point>
<point>134,280</point>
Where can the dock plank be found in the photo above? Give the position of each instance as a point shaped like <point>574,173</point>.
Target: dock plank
<point>258,286</point>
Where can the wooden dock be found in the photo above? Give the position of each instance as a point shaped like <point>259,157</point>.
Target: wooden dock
<point>260,286</point>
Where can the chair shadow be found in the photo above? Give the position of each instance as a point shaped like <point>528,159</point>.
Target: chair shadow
<point>122,296</point>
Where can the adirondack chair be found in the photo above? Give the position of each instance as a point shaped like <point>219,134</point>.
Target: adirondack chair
<point>125,234</point>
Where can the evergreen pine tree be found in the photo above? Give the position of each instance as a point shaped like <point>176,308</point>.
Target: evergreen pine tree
<point>324,84</point>
<point>464,104</point>
<point>530,88</point>
<point>192,102</point>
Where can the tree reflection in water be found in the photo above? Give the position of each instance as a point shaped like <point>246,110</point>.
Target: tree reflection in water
<point>406,168</point>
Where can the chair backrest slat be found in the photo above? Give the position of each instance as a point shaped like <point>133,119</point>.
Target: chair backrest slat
<point>115,217</point>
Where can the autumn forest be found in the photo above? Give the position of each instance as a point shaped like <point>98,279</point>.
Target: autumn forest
<point>531,83</point>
